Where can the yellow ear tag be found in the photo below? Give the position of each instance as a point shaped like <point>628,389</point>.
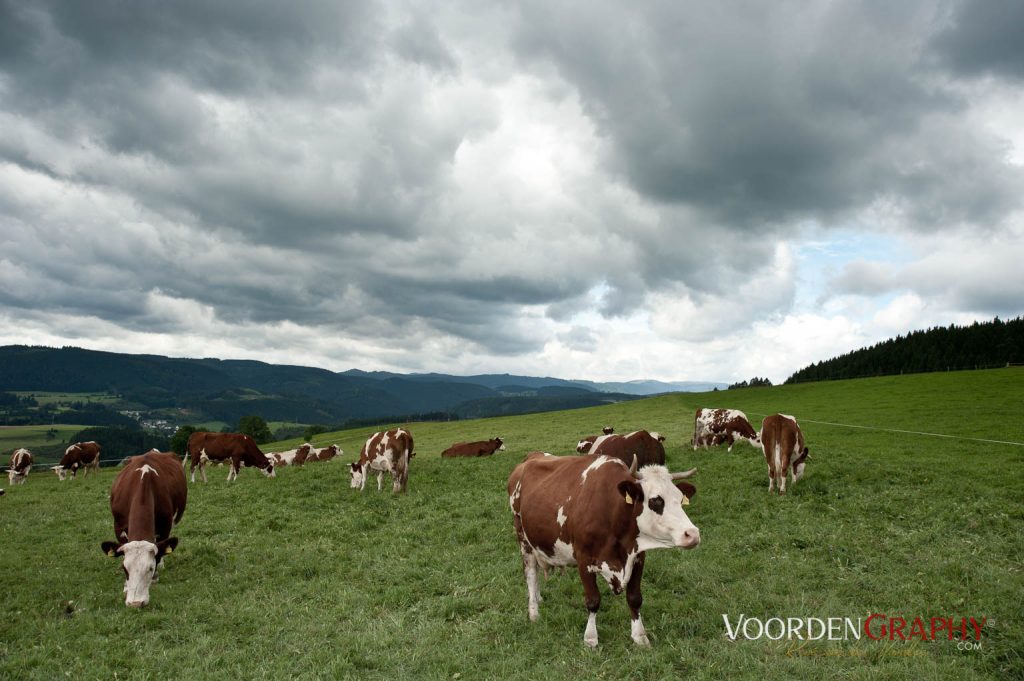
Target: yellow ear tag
<point>111,553</point>
<point>686,500</point>
<point>629,499</point>
<point>170,550</point>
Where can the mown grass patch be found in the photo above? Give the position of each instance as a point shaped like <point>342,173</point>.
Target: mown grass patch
<point>302,577</point>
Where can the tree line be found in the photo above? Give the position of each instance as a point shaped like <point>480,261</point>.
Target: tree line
<point>982,345</point>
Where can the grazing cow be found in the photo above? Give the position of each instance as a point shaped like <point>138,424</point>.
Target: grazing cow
<point>647,447</point>
<point>20,466</point>
<point>482,448</point>
<point>83,455</point>
<point>391,452</point>
<point>292,457</point>
<point>584,445</point>
<point>325,453</point>
<point>784,450</point>
<point>147,501</point>
<point>595,513</point>
<point>238,449</point>
<point>714,426</point>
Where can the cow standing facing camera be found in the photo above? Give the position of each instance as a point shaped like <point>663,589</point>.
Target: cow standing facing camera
<point>595,513</point>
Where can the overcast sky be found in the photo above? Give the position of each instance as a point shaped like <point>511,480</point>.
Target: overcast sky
<point>609,191</point>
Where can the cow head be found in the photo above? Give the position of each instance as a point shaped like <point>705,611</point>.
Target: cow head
<point>583,446</point>
<point>140,562</point>
<point>501,444</point>
<point>608,430</point>
<point>799,462</point>
<point>357,475</point>
<point>61,472</point>
<point>12,475</point>
<point>661,496</point>
<point>269,469</point>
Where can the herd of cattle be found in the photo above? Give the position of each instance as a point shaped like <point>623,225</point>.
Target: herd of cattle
<point>600,511</point>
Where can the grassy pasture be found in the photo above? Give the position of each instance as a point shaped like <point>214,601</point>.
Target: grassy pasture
<point>13,437</point>
<point>301,577</point>
<point>44,398</point>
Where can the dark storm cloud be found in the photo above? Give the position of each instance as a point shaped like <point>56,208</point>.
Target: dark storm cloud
<point>267,163</point>
<point>984,38</point>
<point>761,115</point>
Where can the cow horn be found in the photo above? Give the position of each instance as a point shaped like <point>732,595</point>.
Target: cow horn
<point>684,474</point>
<point>632,466</point>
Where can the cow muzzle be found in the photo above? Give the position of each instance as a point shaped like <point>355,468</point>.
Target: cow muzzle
<point>689,539</point>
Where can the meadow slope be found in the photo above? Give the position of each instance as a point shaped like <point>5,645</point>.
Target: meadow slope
<point>302,577</point>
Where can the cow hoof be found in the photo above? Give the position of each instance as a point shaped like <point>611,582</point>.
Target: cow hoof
<point>590,642</point>
<point>642,641</point>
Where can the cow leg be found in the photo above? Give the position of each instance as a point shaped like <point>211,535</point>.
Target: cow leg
<point>202,468</point>
<point>532,586</point>
<point>782,482</point>
<point>771,480</point>
<point>380,480</point>
<point>635,599</point>
<point>362,479</point>
<point>592,598</point>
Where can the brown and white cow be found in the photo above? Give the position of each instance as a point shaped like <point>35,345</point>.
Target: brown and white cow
<point>481,448</point>
<point>647,447</point>
<point>595,513</point>
<point>147,501</point>
<point>324,453</point>
<point>292,457</point>
<point>714,426</point>
<point>385,452</point>
<point>584,445</point>
<point>19,466</point>
<point>83,455</point>
<point>782,442</point>
<point>237,449</point>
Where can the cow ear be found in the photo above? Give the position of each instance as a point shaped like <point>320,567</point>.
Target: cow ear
<point>110,548</point>
<point>631,492</point>
<point>166,546</point>
<point>687,489</point>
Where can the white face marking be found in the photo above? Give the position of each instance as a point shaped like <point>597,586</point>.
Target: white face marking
<point>798,472</point>
<point>140,564</point>
<point>670,528</point>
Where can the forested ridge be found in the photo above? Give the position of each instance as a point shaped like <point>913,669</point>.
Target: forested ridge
<point>978,346</point>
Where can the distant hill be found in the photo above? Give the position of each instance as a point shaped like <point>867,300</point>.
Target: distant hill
<point>194,391</point>
<point>654,387</point>
<point>978,346</point>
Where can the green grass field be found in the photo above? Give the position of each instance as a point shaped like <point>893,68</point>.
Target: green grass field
<point>302,577</point>
<point>43,397</point>
<point>12,437</point>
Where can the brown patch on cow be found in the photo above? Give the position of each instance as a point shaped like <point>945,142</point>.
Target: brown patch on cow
<point>647,449</point>
<point>480,448</point>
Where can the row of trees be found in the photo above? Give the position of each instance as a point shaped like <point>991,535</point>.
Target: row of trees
<point>980,345</point>
<point>755,382</point>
